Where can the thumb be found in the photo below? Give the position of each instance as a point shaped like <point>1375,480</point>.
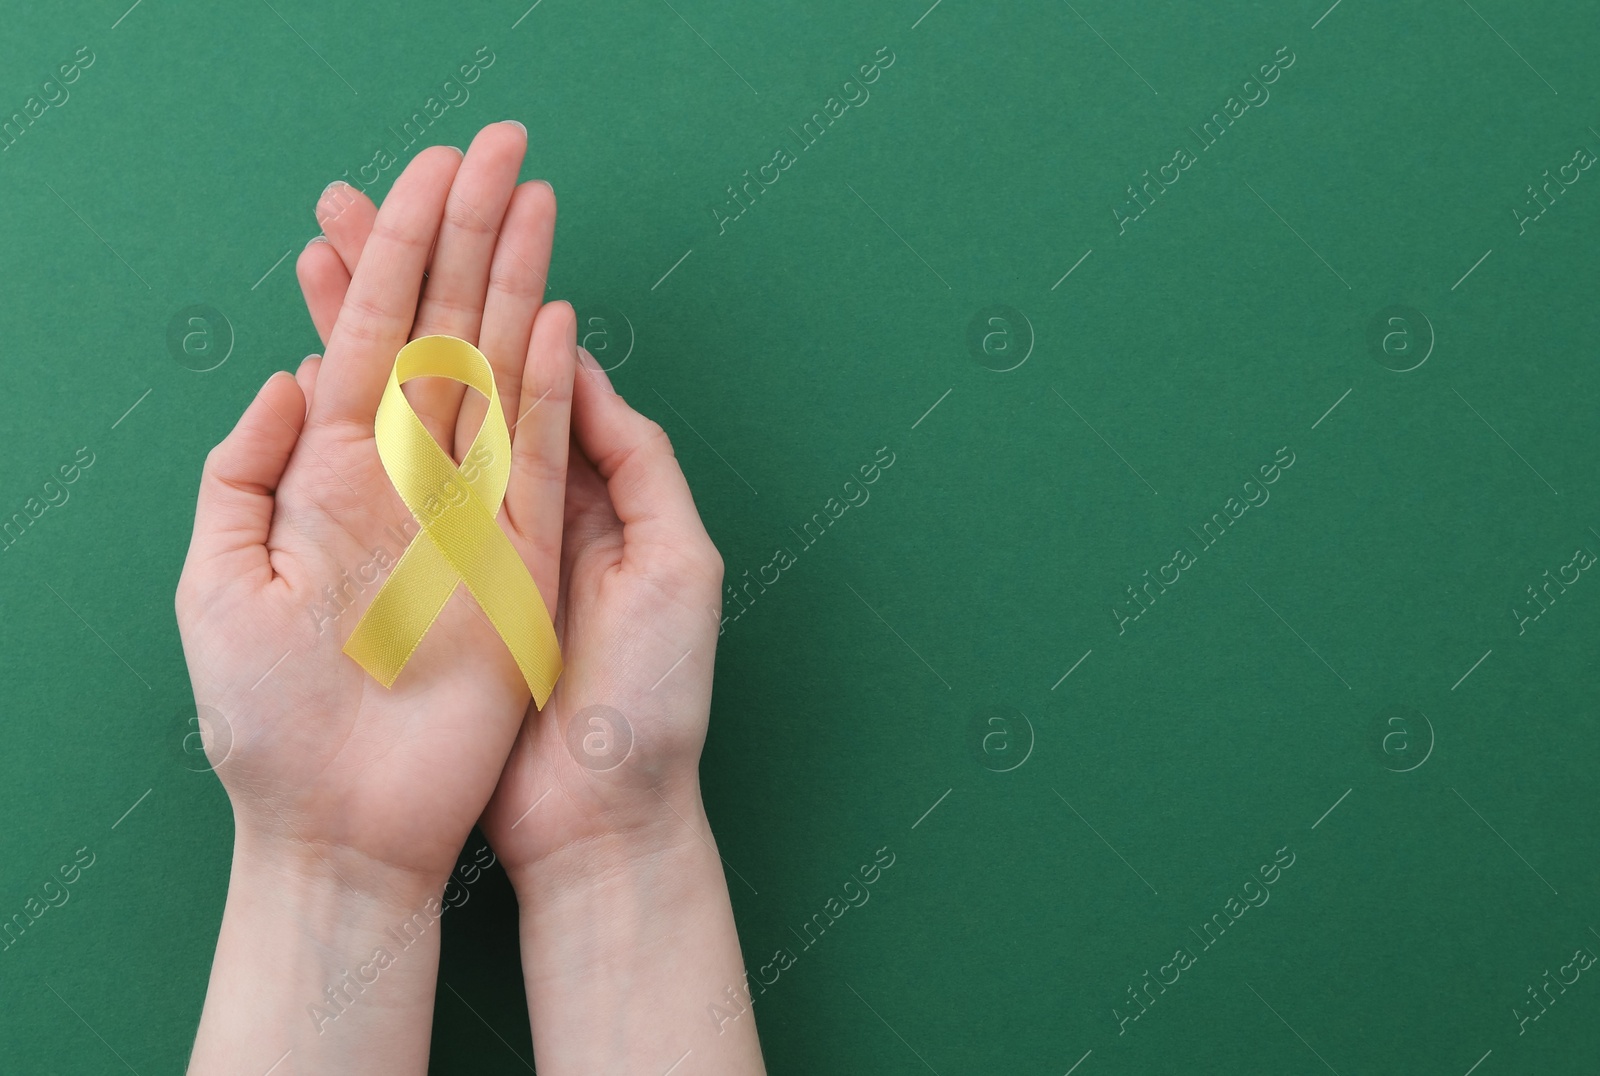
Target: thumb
<point>233,512</point>
<point>634,458</point>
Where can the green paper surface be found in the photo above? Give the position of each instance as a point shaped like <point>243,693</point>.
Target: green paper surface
<point>1078,746</point>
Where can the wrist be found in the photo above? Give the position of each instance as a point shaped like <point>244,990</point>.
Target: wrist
<point>663,825</point>
<point>334,884</point>
<point>323,955</point>
<point>327,894</point>
<point>631,936</point>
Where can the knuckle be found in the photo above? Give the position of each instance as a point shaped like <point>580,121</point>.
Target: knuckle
<point>693,560</point>
<point>656,439</point>
<point>460,215</point>
<point>387,233</point>
<point>454,312</point>
<point>536,465</point>
<point>211,469</point>
<point>366,319</point>
<point>544,392</point>
<point>514,280</point>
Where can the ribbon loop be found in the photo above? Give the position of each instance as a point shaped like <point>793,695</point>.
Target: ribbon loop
<point>459,540</point>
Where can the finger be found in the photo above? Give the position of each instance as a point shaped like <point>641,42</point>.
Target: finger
<point>306,377</point>
<point>345,216</point>
<point>458,276</point>
<point>517,279</point>
<point>323,281</point>
<point>233,511</point>
<point>591,533</point>
<point>537,492</point>
<point>634,455</point>
<point>375,321</point>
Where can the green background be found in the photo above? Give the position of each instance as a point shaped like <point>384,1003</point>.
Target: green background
<point>1081,828</point>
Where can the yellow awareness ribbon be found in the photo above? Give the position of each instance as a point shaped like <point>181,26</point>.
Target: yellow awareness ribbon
<point>459,540</point>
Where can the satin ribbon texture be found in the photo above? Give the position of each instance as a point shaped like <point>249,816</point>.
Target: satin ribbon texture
<point>459,542</point>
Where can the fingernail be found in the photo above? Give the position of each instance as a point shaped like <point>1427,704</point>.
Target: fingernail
<point>519,125</point>
<point>546,183</point>
<point>333,200</point>
<point>588,362</point>
<point>318,239</point>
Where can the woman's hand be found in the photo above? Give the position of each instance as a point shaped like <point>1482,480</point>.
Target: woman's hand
<point>616,749</point>
<point>351,800</point>
<point>296,513</point>
<point>628,940</point>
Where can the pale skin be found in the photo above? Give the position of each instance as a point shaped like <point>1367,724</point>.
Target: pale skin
<point>351,801</point>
